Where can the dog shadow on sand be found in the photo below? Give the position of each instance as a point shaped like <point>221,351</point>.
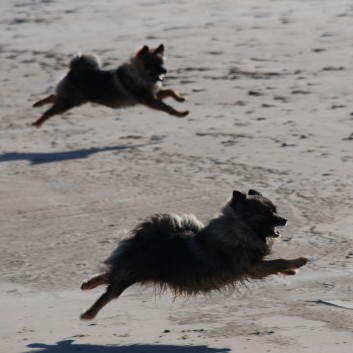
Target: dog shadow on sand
<point>68,346</point>
<point>42,158</point>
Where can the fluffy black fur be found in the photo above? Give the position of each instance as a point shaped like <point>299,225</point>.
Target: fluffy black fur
<point>181,254</point>
<point>137,81</point>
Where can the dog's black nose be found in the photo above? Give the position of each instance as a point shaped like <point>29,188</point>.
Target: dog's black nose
<point>163,70</point>
<point>282,221</point>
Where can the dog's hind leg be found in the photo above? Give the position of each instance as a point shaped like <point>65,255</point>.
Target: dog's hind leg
<point>98,279</point>
<point>165,93</point>
<point>46,100</point>
<point>57,108</point>
<point>275,267</point>
<point>111,293</point>
<point>103,300</point>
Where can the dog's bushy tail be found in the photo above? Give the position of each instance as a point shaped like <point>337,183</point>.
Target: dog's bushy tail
<point>153,231</point>
<point>81,62</point>
<point>167,225</point>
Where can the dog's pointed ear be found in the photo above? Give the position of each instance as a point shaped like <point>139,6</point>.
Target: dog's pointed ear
<point>238,197</point>
<point>143,51</point>
<point>254,192</point>
<point>159,49</point>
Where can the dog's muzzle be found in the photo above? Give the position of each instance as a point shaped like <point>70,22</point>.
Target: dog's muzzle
<point>280,222</point>
<point>162,72</point>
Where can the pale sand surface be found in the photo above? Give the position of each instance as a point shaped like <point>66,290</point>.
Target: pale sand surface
<point>269,86</point>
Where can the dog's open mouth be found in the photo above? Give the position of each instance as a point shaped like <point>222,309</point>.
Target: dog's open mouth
<point>273,232</point>
<point>157,77</point>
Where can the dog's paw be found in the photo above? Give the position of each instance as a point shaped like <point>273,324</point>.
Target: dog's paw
<point>181,98</point>
<point>87,315</point>
<point>290,272</point>
<point>36,124</point>
<point>86,284</point>
<point>301,261</point>
<point>182,114</point>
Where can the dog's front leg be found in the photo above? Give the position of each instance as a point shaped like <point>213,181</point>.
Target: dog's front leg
<point>159,105</point>
<point>165,93</point>
<point>275,267</point>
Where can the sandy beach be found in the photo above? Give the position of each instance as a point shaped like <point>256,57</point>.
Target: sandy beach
<point>270,98</point>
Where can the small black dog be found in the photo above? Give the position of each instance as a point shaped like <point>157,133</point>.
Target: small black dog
<point>138,81</point>
<point>181,254</point>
